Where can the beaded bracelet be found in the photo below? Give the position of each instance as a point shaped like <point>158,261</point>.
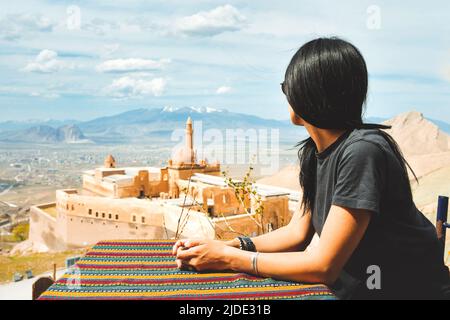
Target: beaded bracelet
<point>241,243</point>
<point>246,244</point>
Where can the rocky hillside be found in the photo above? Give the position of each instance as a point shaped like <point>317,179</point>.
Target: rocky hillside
<point>425,146</point>
<point>70,134</point>
<point>46,134</point>
<point>417,135</point>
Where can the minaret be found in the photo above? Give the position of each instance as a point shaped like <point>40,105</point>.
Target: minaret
<point>190,139</point>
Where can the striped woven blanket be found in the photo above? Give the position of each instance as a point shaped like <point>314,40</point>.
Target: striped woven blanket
<point>146,269</point>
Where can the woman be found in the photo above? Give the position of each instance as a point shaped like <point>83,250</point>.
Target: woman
<point>374,243</point>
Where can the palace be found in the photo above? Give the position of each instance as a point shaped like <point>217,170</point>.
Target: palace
<point>187,198</point>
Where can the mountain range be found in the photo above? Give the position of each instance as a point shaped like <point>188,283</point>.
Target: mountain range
<point>144,125</point>
<point>46,134</point>
<point>139,126</point>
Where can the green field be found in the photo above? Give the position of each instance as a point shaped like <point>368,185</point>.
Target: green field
<point>38,263</point>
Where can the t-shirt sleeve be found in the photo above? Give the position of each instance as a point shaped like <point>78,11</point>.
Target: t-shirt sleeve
<point>361,175</point>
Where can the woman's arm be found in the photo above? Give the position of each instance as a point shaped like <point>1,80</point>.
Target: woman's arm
<point>342,232</point>
<point>295,236</point>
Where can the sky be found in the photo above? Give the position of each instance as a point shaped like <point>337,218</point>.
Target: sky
<point>84,59</point>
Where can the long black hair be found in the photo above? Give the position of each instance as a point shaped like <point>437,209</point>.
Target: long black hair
<point>326,85</point>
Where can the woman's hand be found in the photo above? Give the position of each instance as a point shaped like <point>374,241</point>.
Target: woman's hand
<point>202,255</point>
<point>185,243</point>
<point>188,243</point>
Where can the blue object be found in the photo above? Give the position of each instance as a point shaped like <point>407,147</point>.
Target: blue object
<point>29,274</point>
<point>17,277</point>
<point>71,261</point>
<point>441,221</point>
<point>442,209</point>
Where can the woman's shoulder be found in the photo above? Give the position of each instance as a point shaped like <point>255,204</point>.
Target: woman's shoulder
<point>365,138</point>
<point>363,143</point>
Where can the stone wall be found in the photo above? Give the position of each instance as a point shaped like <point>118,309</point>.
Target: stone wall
<point>82,232</point>
<point>234,226</point>
<point>276,212</point>
<point>44,228</point>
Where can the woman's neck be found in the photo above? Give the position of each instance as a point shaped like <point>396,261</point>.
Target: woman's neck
<point>323,138</point>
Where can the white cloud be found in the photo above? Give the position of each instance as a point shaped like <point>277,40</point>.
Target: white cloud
<point>15,26</point>
<point>209,23</point>
<point>132,65</point>
<point>223,90</point>
<point>46,62</point>
<point>129,87</point>
<point>46,55</point>
<point>46,95</point>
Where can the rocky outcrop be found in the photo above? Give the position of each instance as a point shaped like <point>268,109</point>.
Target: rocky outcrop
<point>416,135</point>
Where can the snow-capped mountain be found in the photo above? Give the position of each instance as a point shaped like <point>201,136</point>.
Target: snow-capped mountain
<point>194,109</point>
<point>147,124</point>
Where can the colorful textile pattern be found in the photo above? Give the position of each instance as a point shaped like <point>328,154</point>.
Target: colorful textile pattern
<point>146,269</point>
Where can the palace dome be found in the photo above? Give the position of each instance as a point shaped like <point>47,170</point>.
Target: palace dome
<point>183,155</point>
<point>110,162</point>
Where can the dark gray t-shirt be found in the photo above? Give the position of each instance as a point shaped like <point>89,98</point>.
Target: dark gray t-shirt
<point>361,171</point>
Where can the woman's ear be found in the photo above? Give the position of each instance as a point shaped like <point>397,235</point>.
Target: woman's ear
<point>295,119</point>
